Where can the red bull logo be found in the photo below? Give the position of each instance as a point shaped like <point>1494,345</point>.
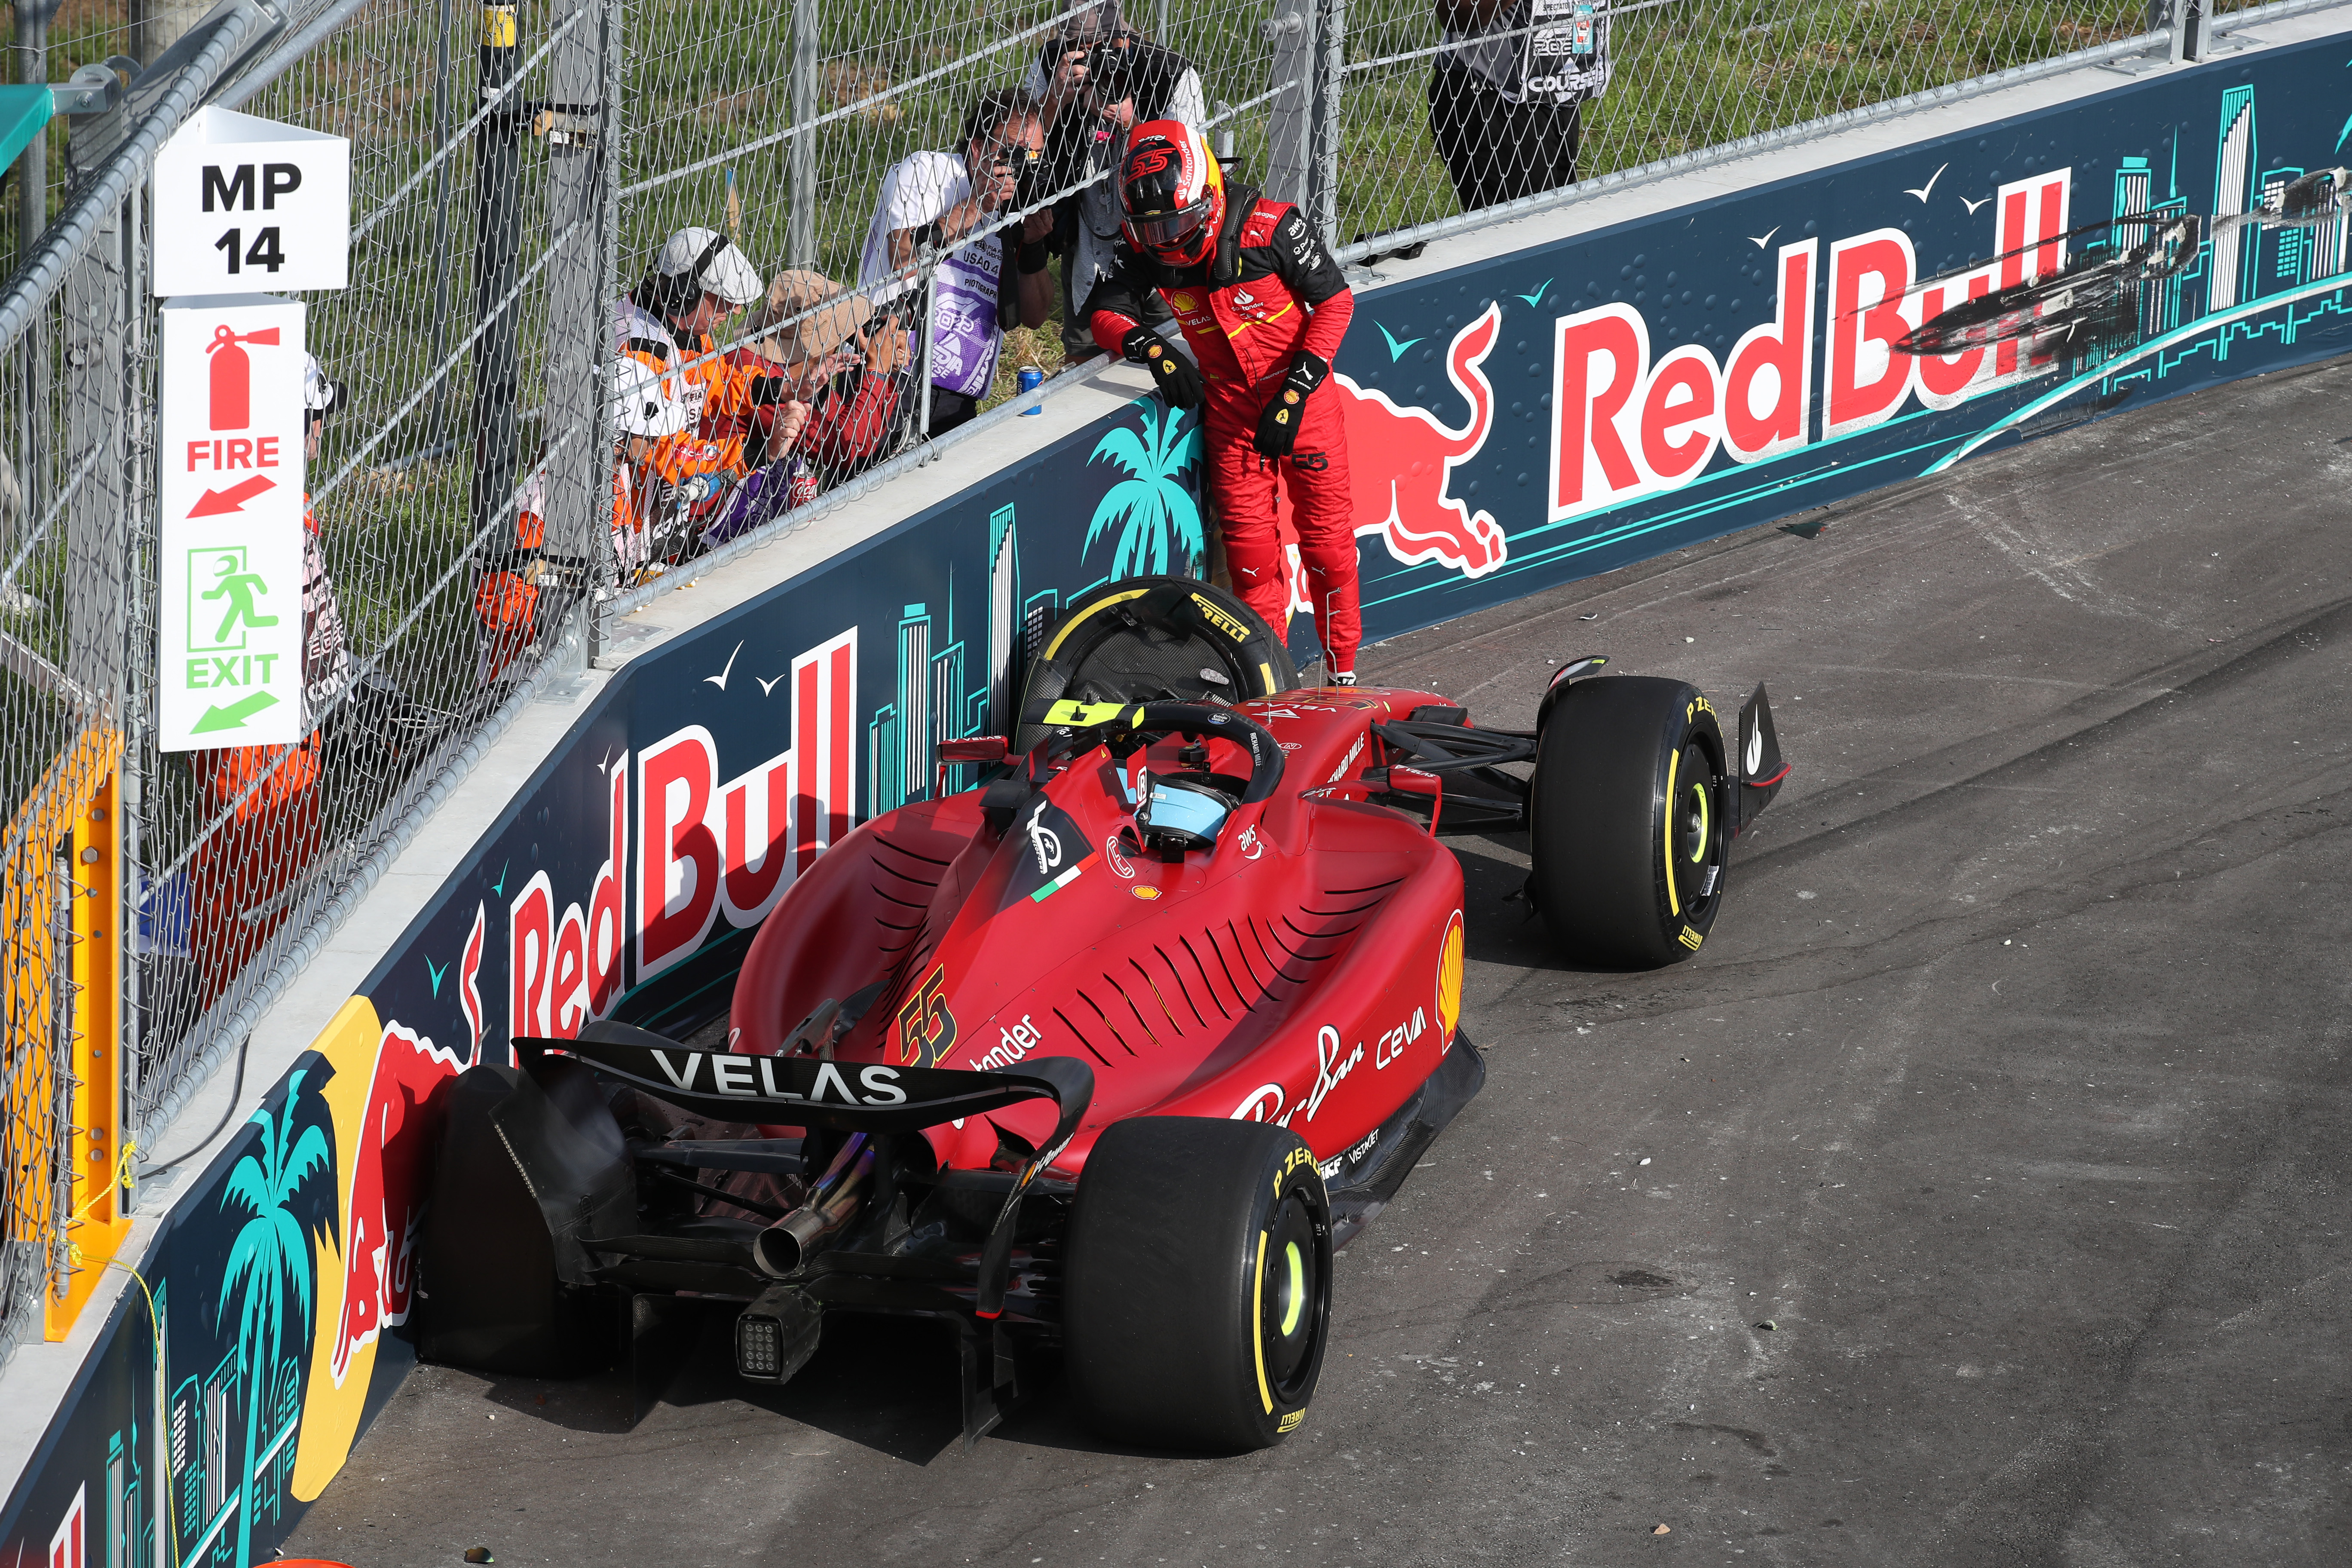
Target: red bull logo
<point>1630,422</point>
<point>386,1199</point>
<point>1400,461</point>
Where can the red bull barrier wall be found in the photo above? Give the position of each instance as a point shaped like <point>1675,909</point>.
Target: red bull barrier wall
<point>1519,417</point>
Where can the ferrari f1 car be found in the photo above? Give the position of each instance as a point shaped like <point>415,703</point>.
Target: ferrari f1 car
<point>1103,1057</point>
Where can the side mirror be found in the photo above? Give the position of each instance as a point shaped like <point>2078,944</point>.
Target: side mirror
<point>982,750</point>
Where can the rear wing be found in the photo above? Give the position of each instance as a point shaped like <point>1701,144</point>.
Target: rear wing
<point>852,1097</point>
<point>807,1091</point>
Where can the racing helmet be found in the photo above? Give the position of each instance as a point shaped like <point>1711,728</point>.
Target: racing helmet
<point>641,403</point>
<point>1173,813</point>
<point>1172,193</point>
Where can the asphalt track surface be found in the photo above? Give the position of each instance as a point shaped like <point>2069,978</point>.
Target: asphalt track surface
<point>1980,1194</point>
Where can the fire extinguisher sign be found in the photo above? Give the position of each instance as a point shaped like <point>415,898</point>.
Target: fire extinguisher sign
<point>229,609</point>
<point>248,206</point>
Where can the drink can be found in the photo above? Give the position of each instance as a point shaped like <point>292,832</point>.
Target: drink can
<point>1031,378</point>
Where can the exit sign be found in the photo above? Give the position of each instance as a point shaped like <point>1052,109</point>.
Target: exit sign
<point>247,206</point>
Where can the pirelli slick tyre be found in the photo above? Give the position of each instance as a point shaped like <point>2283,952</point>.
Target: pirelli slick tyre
<point>491,1297</point>
<point>1198,1283</point>
<point>1629,820</point>
<point>1142,639</point>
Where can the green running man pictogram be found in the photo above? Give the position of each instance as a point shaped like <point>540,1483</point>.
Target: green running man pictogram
<point>238,589</point>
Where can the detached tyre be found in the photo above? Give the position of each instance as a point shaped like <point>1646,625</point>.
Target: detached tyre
<point>1197,1290</point>
<point>1629,820</point>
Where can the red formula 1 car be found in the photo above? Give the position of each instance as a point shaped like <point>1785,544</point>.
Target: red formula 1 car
<point>1106,1055</point>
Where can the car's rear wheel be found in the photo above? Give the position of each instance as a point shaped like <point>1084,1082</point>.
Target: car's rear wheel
<point>1628,820</point>
<point>492,1299</point>
<point>1198,1285</point>
<point>1142,640</point>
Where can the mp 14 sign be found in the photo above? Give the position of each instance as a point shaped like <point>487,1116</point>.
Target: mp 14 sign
<point>229,611</point>
<point>246,205</point>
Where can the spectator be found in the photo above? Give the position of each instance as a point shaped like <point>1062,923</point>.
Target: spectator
<point>930,201</point>
<point>841,383</point>
<point>1506,97</point>
<point>511,613</point>
<point>1096,79</point>
<point>326,661</point>
<point>698,280</point>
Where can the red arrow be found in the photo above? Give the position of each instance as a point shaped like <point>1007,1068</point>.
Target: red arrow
<point>213,503</point>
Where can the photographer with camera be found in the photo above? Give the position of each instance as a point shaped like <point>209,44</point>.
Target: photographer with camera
<point>930,201</point>
<point>1096,79</point>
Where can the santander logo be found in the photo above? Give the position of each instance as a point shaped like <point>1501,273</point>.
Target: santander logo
<point>1629,421</point>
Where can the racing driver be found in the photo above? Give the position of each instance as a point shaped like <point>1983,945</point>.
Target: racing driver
<point>1264,306</point>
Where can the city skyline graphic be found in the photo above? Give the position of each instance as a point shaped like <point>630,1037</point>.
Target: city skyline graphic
<point>2239,266</point>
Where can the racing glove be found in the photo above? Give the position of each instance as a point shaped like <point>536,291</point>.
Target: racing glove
<point>1278,426</point>
<point>1179,378</point>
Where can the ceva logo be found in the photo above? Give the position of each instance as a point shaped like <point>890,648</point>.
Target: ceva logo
<point>1626,425</point>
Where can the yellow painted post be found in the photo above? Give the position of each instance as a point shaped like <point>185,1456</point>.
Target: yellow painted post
<point>96,1225</point>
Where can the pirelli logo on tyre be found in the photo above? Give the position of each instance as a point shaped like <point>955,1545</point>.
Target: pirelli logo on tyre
<point>1221,621</point>
<point>1290,1423</point>
<point>1291,1161</point>
<point>1690,939</point>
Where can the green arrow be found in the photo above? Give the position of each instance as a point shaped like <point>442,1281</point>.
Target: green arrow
<point>234,716</point>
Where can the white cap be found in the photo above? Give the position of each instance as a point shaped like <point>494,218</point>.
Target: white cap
<point>319,394</point>
<point>641,404</point>
<point>729,273</point>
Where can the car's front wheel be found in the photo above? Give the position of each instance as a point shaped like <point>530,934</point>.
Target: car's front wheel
<point>1198,1285</point>
<point>1629,816</point>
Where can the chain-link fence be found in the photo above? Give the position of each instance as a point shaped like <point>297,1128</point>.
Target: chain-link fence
<point>480,495</point>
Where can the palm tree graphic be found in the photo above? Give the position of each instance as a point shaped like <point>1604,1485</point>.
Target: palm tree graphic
<point>1159,514</point>
<point>271,1254</point>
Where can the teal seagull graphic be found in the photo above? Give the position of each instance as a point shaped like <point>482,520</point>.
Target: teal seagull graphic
<point>500,886</point>
<point>1537,298</point>
<point>1396,349</point>
<point>437,974</point>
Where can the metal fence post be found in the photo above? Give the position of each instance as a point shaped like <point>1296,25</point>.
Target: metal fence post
<point>32,163</point>
<point>96,521</point>
<point>1330,78</point>
<point>31,455</point>
<point>498,235</point>
<point>1290,121</point>
<point>2186,20</point>
<point>577,333</point>
<point>928,265</point>
<point>800,242</point>
<point>606,574</point>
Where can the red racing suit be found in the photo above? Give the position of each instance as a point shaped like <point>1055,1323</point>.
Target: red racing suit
<point>1266,291</point>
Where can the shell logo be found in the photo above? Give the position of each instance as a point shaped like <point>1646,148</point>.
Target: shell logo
<point>1449,979</point>
<point>1184,303</point>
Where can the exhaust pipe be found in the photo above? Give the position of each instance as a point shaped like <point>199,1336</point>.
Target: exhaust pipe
<point>783,1246</point>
